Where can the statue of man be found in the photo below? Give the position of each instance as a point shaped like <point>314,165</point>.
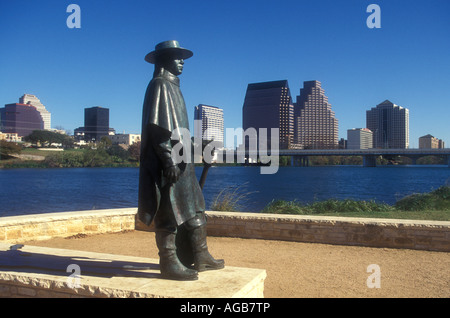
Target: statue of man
<point>169,192</point>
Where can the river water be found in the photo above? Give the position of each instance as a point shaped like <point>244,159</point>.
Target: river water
<point>31,191</point>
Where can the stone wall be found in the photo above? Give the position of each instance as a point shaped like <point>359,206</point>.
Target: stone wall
<point>412,234</point>
<point>16,229</point>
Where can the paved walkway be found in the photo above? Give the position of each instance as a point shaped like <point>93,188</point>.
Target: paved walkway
<point>297,270</point>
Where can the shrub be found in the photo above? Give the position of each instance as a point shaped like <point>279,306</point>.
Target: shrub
<point>327,206</point>
<point>230,199</point>
<point>438,199</point>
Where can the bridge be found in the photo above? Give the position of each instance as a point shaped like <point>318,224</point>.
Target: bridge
<point>300,157</point>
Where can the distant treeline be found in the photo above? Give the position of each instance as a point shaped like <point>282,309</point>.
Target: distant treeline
<point>112,156</point>
<point>103,154</point>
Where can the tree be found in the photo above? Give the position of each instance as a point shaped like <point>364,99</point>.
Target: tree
<point>8,148</point>
<point>135,151</point>
<point>49,137</point>
<point>118,151</point>
<point>105,142</point>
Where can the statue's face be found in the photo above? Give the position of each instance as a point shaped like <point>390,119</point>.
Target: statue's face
<point>174,66</point>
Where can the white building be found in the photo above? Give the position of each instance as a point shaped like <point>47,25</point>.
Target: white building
<point>125,139</point>
<point>359,138</point>
<point>11,137</point>
<point>208,123</point>
<point>34,101</point>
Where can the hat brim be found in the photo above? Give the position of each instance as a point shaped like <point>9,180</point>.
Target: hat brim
<point>178,52</point>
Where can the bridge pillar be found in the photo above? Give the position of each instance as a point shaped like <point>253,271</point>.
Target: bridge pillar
<point>448,160</point>
<point>305,161</point>
<point>299,161</point>
<point>369,161</point>
<point>292,161</point>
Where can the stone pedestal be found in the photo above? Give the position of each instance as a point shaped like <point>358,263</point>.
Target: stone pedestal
<point>48,272</point>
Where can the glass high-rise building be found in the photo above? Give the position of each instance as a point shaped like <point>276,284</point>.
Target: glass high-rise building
<point>21,119</point>
<point>208,123</point>
<point>96,123</point>
<point>316,126</point>
<point>389,124</point>
<point>269,105</point>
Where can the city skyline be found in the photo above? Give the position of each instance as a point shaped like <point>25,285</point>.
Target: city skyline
<point>102,63</point>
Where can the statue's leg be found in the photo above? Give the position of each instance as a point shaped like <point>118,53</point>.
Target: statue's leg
<point>184,247</point>
<point>170,265</point>
<point>197,236</point>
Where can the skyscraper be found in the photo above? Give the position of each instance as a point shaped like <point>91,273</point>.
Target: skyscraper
<point>96,123</point>
<point>389,124</point>
<point>316,126</point>
<point>208,123</point>
<point>33,100</point>
<point>269,105</point>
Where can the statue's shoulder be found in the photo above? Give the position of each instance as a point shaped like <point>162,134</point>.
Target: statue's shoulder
<point>159,81</point>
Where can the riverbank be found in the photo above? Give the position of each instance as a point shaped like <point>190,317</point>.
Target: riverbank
<point>434,205</point>
<point>112,157</point>
<point>106,155</point>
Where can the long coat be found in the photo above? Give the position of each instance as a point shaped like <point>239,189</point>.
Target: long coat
<point>165,110</point>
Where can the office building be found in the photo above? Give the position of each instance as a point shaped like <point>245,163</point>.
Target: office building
<point>20,119</point>
<point>96,123</point>
<point>359,138</point>
<point>430,142</point>
<point>34,101</point>
<point>269,105</point>
<point>316,126</point>
<point>208,123</point>
<point>389,124</point>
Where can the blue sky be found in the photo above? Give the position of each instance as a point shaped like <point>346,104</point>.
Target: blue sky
<point>235,43</point>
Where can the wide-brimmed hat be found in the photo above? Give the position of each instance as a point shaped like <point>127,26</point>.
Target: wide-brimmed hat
<point>168,47</point>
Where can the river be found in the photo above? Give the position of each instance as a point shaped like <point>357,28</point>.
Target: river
<point>32,191</point>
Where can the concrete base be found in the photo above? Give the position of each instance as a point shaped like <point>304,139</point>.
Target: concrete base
<point>48,272</point>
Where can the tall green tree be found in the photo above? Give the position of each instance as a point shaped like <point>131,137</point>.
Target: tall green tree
<point>50,137</point>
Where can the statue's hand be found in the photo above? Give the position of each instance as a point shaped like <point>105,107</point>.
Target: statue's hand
<point>172,174</point>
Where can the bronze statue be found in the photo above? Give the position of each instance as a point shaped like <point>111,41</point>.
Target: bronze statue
<point>169,192</point>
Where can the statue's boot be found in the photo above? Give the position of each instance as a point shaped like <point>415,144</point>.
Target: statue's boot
<point>203,261</point>
<point>169,264</point>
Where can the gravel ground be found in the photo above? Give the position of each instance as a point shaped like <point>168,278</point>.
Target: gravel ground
<point>301,270</point>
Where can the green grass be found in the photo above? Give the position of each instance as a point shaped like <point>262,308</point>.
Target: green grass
<point>437,200</point>
<point>427,206</point>
<point>37,152</point>
<point>326,209</point>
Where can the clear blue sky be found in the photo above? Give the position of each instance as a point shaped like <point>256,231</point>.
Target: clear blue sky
<point>235,42</point>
